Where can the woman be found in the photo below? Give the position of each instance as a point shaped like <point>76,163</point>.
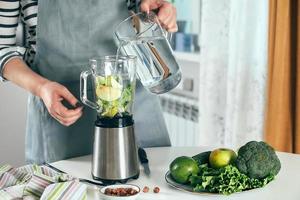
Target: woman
<point>66,34</point>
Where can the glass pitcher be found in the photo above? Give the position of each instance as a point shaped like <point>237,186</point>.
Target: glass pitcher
<point>113,85</point>
<point>142,35</point>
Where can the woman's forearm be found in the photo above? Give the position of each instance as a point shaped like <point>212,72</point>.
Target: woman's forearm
<point>17,71</point>
<point>51,93</point>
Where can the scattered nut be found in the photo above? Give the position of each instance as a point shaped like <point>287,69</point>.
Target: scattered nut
<point>156,190</point>
<point>146,189</point>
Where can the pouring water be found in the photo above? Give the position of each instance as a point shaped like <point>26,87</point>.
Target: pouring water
<point>157,68</point>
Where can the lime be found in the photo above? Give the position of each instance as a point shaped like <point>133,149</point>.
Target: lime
<point>221,157</point>
<point>182,168</point>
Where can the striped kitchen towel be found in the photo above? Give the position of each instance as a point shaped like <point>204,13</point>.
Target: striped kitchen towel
<point>71,190</point>
<point>39,182</point>
<point>41,178</point>
<point>36,169</point>
<point>13,192</point>
<point>37,185</point>
<point>31,181</point>
<point>10,176</point>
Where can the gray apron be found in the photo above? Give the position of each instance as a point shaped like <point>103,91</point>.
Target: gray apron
<point>69,32</point>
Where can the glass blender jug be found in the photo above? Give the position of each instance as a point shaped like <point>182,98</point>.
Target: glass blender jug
<point>142,35</point>
<point>113,85</point>
<point>113,81</point>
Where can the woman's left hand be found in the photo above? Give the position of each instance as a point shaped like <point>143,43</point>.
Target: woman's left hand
<point>166,13</point>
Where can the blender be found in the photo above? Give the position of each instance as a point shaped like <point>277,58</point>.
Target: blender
<point>112,82</point>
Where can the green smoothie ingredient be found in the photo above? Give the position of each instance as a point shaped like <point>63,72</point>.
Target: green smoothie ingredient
<point>221,157</point>
<point>182,168</point>
<point>258,160</point>
<point>223,171</point>
<point>225,180</point>
<point>113,97</point>
<point>202,158</point>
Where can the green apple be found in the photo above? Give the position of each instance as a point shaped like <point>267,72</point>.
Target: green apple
<point>108,93</point>
<point>221,157</point>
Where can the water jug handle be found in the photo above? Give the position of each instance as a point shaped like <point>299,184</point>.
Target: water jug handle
<point>169,36</point>
<point>83,90</point>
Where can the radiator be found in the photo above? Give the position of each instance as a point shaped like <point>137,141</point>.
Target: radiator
<point>181,117</point>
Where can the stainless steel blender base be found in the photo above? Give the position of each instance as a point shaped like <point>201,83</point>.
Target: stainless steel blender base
<point>115,155</point>
<point>111,182</point>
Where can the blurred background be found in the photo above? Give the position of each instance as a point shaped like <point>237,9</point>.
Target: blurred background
<point>222,50</point>
<point>221,46</point>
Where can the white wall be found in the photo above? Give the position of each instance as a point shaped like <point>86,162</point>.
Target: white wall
<point>13,104</point>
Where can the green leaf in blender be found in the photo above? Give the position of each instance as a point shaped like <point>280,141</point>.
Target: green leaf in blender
<point>112,98</point>
<point>126,97</point>
<point>110,109</point>
<point>100,80</point>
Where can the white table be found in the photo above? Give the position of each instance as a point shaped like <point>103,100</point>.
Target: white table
<point>286,185</point>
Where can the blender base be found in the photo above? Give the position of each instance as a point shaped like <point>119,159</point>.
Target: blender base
<point>115,158</point>
<point>112,182</point>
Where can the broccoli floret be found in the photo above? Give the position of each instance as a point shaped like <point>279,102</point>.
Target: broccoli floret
<point>257,160</point>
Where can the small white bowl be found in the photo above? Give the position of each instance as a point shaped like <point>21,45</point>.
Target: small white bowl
<point>109,197</point>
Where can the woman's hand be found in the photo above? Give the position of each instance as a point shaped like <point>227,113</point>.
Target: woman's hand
<point>52,94</point>
<point>166,13</point>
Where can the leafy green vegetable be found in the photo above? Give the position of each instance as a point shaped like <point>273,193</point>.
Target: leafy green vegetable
<point>126,97</point>
<point>100,80</point>
<point>225,180</point>
<point>258,160</point>
<point>113,97</point>
<point>202,158</point>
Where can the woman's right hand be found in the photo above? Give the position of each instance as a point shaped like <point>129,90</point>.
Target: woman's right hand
<point>52,94</point>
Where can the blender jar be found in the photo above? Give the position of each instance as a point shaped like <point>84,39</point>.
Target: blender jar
<point>113,80</point>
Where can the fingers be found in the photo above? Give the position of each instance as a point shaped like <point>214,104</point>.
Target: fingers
<point>62,117</point>
<point>173,29</point>
<point>148,5</point>
<point>66,121</point>
<point>167,17</point>
<point>145,7</point>
<point>67,95</point>
<point>166,14</point>
<point>62,114</point>
<point>52,95</point>
<point>67,113</point>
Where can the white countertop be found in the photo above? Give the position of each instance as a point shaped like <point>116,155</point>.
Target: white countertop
<point>285,186</point>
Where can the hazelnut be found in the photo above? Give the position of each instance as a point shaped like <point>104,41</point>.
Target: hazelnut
<point>156,190</point>
<point>146,189</point>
